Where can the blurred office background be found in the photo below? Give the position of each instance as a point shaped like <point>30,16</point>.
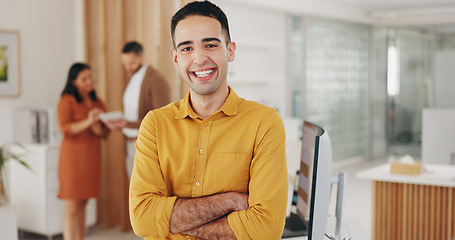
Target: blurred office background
<point>362,69</point>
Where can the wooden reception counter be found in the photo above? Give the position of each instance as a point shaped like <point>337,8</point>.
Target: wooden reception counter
<point>413,206</point>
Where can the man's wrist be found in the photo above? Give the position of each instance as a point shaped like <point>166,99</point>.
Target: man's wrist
<point>239,201</point>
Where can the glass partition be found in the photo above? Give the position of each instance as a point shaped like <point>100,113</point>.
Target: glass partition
<point>334,80</point>
<point>408,80</point>
<point>367,85</point>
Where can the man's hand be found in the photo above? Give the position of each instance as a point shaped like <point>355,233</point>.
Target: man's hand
<point>117,124</point>
<point>217,229</point>
<point>192,213</point>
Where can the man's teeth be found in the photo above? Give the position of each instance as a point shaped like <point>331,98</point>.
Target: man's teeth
<point>203,73</point>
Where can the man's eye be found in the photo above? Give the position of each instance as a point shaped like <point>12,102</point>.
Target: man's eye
<point>211,45</point>
<point>186,49</point>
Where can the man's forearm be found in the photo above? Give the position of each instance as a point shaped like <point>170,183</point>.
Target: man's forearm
<point>217,229</point>
<point>192,213</point>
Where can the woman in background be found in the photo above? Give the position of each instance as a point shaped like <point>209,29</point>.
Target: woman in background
<point>80,151</point>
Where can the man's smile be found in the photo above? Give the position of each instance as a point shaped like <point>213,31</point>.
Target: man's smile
<point>203,74</point>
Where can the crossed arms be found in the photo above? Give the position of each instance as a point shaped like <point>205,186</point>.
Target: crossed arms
<point>205,217</point>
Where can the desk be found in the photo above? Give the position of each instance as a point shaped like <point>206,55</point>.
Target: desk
<point>413,206</point>
<point>352,229</point>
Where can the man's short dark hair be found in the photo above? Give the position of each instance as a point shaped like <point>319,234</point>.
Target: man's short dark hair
<point>134,47</point>
<point>204,8</point>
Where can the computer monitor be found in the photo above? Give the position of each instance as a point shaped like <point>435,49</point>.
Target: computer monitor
<point>315,176</point>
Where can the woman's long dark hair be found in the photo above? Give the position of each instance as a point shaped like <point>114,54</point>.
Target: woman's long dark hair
<point>70,88</point>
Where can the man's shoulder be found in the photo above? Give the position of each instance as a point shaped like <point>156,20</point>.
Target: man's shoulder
<point>153,76</point>
<point>253,107</point>
<point>169,110</point>
<point>150,71</point>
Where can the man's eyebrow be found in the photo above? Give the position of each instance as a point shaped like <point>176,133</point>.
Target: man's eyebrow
<point>184,43</point>
<point>203,40</point>
<point>211,39</point>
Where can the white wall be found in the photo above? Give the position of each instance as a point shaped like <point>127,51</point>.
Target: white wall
<point>47,49</point>
<point>445,79</point>
<point>259,71</point>
<point>329,8</point>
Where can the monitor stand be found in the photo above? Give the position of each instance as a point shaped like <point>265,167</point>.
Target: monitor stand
<point>294,227</point>
<point>340,180</point>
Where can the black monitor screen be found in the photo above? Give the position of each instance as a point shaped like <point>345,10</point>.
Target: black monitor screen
<point>307,163</point>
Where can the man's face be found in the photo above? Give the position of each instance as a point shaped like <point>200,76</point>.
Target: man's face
<point>201,54</point>
<point>131,62</point>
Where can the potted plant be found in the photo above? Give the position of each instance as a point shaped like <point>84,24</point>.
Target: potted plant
<point>7,154</point>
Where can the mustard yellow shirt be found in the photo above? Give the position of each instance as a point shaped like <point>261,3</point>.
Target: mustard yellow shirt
<point>240,147</point>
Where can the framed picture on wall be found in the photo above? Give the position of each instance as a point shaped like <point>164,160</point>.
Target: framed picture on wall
<point>9,64</point>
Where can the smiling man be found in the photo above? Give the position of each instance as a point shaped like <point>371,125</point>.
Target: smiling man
<point>212,165</point>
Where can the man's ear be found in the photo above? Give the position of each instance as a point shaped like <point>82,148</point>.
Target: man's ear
<point>174,57</point>
<point>231,51</point>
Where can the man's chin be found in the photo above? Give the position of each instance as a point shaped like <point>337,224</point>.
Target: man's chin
<point>204,90</point>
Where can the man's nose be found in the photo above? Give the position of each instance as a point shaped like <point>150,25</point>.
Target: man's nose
<point>200,56</point>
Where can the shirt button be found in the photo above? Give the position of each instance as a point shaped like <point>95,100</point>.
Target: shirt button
<point>197,184</point>
<point>201,151</point>
<point>206,123</point>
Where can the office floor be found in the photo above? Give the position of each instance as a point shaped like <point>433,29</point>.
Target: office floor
<point>357,208</point>
<point>357,204</point>
<point>94,233</point>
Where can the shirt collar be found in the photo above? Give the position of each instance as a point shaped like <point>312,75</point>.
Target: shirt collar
<point>141,70</point>
<point>229,107</point>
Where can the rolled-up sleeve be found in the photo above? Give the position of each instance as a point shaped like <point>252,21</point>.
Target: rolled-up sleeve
<point>149,203</point>
<point>265,217</point>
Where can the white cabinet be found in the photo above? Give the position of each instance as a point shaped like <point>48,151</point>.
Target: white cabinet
<point>34,193</point>
<point>8,225</point>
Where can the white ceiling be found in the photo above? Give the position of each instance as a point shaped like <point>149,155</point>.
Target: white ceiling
<point>381,12</point>
<point>371,5</point>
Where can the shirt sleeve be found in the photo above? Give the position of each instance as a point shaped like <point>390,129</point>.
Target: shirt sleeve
<point>65,115</point>
<point>149,202</point>
<point>268,187</point>
<point>106,130</point>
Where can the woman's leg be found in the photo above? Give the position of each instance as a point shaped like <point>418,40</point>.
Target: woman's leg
<point>82,206</point>
<point>74,219</point>
<point>70,220</point>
